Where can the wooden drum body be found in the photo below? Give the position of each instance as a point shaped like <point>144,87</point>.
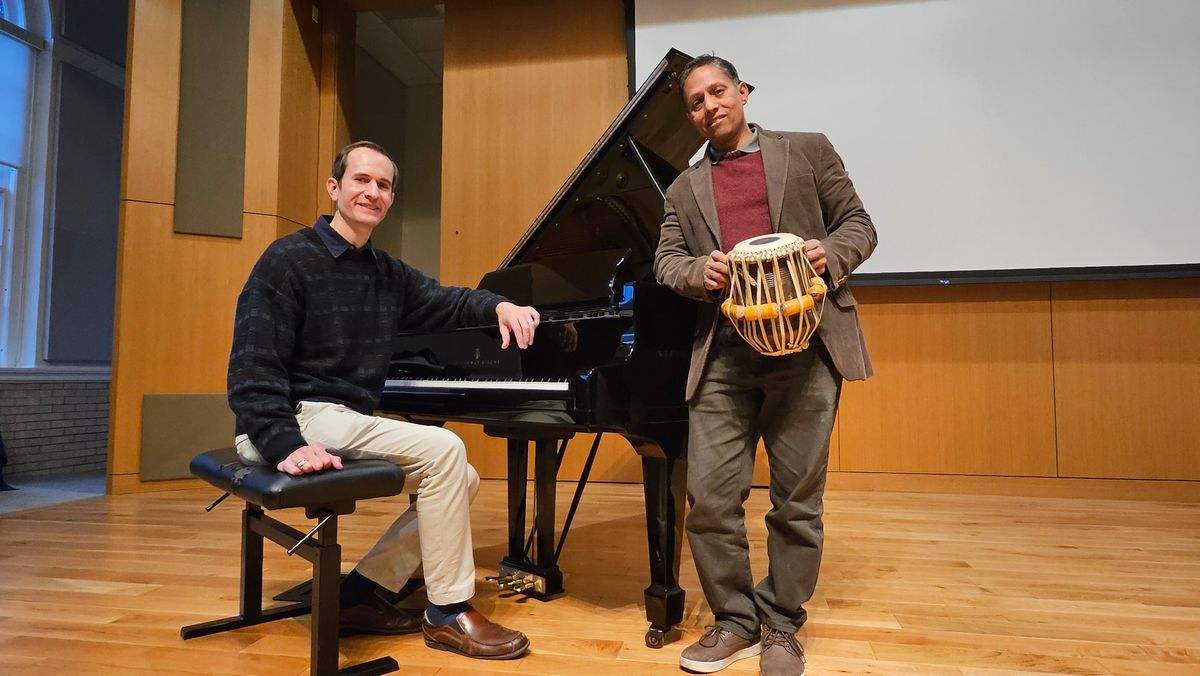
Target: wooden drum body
<point>775,296</point>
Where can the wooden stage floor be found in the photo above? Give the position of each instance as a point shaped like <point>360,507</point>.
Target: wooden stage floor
<point>911,584</point>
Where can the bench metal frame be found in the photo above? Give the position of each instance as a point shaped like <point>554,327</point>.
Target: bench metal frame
<point>319,547</point>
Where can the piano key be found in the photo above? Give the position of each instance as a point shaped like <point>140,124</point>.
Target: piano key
<point>521,385</point>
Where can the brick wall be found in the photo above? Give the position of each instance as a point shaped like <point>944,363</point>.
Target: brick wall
<point>54,427</point>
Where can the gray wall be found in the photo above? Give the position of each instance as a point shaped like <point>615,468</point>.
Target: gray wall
<point>408,122</point>
<point>422,177</point>
<point>98,26</point>
<point>379,116</point>
<point>83,271</point>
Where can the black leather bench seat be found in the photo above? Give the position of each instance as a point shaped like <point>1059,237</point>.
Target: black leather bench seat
<point>269,488</point>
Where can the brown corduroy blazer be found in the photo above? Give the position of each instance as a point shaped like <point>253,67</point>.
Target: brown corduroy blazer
<point>810,195</point>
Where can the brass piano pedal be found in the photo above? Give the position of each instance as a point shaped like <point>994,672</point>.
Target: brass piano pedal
<point>501,581</point>
<point>520,581</point>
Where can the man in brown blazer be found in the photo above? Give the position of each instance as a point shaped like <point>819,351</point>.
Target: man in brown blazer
<point>752,182</point>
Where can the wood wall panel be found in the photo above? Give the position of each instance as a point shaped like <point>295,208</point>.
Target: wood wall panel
<point>151,101</point>
<point>528,88</point>
<point>300,116</point>
<point>338,28</point>
<point>963,384</point>
<point>1127,370</point>
<point>174,316</point>
<point>1045,487</point>
<point>264,96</point>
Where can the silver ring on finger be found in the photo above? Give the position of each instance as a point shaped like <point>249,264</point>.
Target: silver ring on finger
<point>301,463</point>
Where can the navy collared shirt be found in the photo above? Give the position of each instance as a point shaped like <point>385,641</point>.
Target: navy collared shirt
<point>333,241</point>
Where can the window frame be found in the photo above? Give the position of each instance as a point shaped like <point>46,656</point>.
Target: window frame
<point>26,269</point>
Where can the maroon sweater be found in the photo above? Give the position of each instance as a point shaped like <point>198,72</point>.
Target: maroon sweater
<point>740,191</point>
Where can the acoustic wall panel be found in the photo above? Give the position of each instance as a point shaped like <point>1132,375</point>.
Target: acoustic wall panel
<point>176,427</point>
<point>211,147</point>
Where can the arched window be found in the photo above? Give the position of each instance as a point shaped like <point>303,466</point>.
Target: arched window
<point>62,69</point>
<point>17,62</point>
<point>13,12</point>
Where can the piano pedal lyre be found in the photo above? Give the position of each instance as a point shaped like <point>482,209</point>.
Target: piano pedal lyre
<point>514,579</point>
<point>518,583</point>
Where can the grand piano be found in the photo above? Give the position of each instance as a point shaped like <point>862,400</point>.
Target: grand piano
<point>610,356</point>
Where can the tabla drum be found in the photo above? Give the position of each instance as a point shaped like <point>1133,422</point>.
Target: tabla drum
<point>775,296</point>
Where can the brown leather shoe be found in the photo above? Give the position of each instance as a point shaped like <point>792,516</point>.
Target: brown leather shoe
<point>474,635</point>
<point>377,616</point>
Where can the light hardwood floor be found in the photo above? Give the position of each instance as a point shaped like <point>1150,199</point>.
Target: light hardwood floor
<point>911,584</point>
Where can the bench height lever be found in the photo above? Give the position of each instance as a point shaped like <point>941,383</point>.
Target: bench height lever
<point>216,502</point>
<point>309,534</point>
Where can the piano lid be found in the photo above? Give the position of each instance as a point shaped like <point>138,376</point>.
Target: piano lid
<point>614,200</point>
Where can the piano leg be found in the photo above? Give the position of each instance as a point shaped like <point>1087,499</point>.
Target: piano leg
<point>665,485</point>
<point>545,473</point>
<point>518,472</point>
<point>540,576</point>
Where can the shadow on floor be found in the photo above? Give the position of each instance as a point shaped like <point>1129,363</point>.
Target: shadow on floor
<point>42,491</point>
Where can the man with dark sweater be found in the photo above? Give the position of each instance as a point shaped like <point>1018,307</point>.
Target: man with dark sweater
<point>752,182</point>
<point>311,345</point>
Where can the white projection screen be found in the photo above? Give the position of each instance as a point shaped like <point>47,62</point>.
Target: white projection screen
<point>1020,138</point>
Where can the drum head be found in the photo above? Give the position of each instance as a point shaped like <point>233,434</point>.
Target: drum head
<point>772,242</point>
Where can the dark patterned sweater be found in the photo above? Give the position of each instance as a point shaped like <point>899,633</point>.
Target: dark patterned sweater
<point>315,322</point>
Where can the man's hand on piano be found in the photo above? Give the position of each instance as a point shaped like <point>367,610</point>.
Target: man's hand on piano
<point>309,459</point>
<point>520,320</point>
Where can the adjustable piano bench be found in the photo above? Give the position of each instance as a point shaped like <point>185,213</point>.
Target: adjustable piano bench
<point>324,496</point>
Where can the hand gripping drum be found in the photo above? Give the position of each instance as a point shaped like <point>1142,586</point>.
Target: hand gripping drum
<point>775,296</point>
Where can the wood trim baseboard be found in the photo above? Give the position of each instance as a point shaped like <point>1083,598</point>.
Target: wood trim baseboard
<point>1061,487</point>
<point>122,484</point>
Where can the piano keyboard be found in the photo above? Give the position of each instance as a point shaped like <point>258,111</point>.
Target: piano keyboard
<point>477,384</point>
<point>554,316</point>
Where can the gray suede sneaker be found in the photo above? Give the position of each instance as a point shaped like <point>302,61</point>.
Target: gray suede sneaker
<point>781,654</point>
<point>717,649</point>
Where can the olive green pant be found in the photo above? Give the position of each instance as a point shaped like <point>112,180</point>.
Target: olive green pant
<point>790,403</point>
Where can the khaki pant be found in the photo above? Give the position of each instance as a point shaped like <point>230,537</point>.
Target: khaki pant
<point>788,402</point>
<point>435,531</point>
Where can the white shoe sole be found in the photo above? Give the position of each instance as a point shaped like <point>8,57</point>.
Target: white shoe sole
<point>710,667</point>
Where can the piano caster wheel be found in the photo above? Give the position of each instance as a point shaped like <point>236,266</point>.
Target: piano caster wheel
<point>657,638</point>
